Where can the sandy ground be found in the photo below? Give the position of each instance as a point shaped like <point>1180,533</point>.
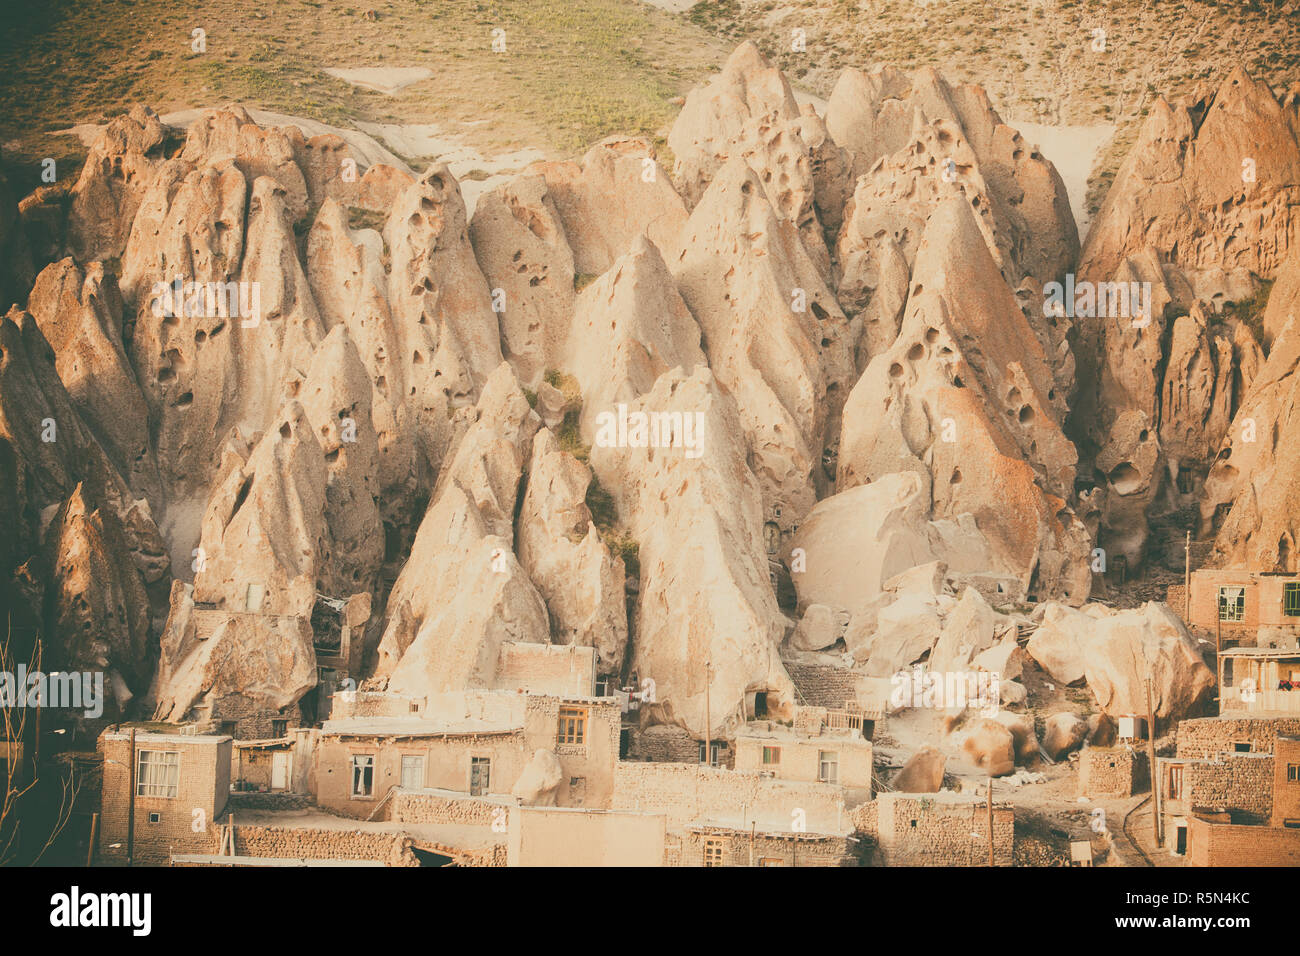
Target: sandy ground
<point>425,143</point>
<point>673,6</point>
<point>381,79</point>
<point>1072,150</point>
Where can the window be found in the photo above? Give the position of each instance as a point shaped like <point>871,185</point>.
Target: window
<point>158,773</point>
<point>771,755</point>
<point>712,851</point>
<point>363,775</point>
<point>279,728</point>
<point>155,818</point>
<point>828,766</point>
<point>480,775</point>
<point>1291,599</point>
<point>412,771</point>
<point>1175,783</point>
<point>1232,604</point>
<point>1291,824</point>
<point>228,728</point>
<point>1242,746</point>
<point>1293,773</point>
<point>573,726</point>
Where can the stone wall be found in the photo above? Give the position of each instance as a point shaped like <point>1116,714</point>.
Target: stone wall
<point>440,806</point>
<point>940,830</point>
<point>1207,737</point>
<point>1112,772</point>
<point>254,800</point>
<point>1242,783</point>
<point>299,843</point>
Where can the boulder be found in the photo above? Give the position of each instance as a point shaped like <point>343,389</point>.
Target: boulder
<point>923,772</point>
<point>1063,733</point>
<point>538,782</point>
<point>991,746</point>
<point>819,628</point>
<point>1022,731</point>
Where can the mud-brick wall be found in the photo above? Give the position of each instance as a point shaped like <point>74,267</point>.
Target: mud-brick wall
<point>423,807</point>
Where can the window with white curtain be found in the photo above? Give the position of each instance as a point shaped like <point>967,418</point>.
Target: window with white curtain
<point>158,773</point>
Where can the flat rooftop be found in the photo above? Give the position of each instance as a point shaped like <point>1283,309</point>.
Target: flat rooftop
<point>153,738</point>
<point>770,731</point>
<point>415,727</point>
<point>1264,652</point>
<point>210,859</point>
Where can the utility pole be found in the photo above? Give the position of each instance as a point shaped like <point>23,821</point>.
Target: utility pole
<point>1151,765</point>
<point>708,666</point>
<point>1187,578</point>
<point>90,850</point>
<point>990,819</point>
<point>130,813</point>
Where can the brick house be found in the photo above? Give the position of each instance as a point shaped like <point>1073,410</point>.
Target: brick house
<point>1244,600</point>
<point>475,742</point>
<point>1216,839</point>
<point>832,755</point>
<point>182,783</point>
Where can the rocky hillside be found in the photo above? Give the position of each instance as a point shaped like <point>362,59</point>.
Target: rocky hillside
<point>793,393</point>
